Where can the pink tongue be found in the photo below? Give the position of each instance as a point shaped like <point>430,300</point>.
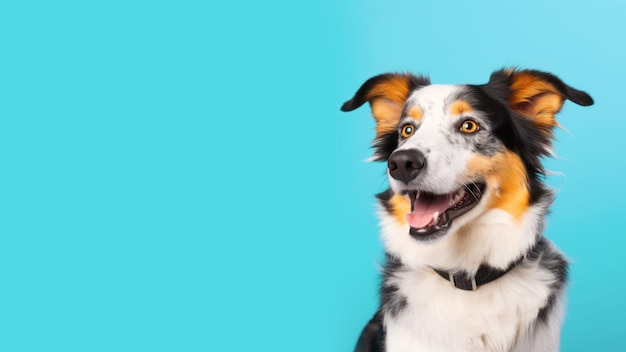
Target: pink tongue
<point>424,209</point>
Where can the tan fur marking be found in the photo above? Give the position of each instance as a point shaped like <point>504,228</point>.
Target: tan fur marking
<point>387,100</point>
<point>536,99</point>
<point>387,114</point>
<point>396,88</point>
<point>505,173</point>
<point>459,107</point>
<point>543,109</point>
<point>400,207</point>
<point>415,113</point>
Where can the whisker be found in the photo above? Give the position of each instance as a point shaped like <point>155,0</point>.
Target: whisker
<point>470,190</point>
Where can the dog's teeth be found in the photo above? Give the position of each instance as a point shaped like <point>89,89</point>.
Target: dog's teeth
<point>435,218</point>
<point>457,197</point>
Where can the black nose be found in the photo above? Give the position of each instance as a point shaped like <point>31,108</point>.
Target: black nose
<point>405,165</point>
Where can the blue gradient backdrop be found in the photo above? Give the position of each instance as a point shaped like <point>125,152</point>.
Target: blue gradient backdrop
<point>177,176</point>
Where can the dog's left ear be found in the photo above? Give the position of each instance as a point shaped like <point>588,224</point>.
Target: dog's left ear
<point>537,95</point>
<point>387,94</point>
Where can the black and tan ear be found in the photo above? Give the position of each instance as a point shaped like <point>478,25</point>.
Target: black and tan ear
<point>387,94</point>
<point>538,95</point>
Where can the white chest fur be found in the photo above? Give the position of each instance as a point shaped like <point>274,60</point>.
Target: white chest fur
<point>499,316</point>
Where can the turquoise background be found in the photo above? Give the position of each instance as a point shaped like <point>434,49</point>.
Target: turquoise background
<point>177,176</point>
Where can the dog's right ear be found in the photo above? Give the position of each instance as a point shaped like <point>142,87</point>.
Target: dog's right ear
<point>387,94</point>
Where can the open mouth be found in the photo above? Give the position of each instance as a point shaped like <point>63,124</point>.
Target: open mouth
<point>432,214</point>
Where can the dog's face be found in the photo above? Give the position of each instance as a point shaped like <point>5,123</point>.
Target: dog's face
<point>454,152</point>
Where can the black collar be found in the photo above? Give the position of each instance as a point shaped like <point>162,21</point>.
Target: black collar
<point>484,275</point>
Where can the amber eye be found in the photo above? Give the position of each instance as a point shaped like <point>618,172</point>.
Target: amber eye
<point>407,131</point>
<point>469,126</point>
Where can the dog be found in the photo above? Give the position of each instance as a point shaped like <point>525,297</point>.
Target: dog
<point>467,267</point>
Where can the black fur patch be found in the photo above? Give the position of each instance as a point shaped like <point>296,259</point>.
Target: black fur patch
<point>392,301</point>
<point>372,338</point>
<point>385,145</point>
<point>384,199</point>
<point>553,261</point>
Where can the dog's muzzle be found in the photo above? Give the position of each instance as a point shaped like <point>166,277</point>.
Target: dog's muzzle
<point>432,213</point>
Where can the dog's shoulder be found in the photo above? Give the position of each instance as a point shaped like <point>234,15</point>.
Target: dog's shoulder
<point>372,338</point>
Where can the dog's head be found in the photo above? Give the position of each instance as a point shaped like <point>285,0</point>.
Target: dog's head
<point>454,152</point>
